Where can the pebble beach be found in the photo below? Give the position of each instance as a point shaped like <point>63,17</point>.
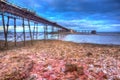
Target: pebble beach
<point>60,60</point>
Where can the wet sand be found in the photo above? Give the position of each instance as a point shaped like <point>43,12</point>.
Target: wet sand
<point>60,60</point>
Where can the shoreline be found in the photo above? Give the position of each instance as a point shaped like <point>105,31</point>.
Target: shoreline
<point>94,44</point>
<point>20,44</point>
<point>2,41</point>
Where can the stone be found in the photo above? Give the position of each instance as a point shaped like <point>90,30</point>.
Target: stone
<point>70,67</point>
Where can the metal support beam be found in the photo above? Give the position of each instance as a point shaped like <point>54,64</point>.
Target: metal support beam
<point>7,29</point>
<point>23,24</point>
<point>15,31</point>
<point>8,23</point>
<point>37,31</point>
<point>3,22</point>
<point>34,31</point>
<point>52,31</point>
<point>58,33</point>
<point>30,31</point>
<point>46,31</point>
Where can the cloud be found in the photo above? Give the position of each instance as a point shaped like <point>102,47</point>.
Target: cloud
<point>80,8</point>
<point>77,13</point>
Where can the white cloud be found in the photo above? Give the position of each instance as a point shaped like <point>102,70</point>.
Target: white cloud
<point>115,25</point>
<point>20,28</point>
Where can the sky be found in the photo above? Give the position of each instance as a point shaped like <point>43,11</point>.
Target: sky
<point>100,15</point>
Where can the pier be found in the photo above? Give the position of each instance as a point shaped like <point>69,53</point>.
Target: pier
<point>12,12</point>
<point>86,31</point>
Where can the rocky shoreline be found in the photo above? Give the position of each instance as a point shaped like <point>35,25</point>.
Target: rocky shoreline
<point>60,60</point>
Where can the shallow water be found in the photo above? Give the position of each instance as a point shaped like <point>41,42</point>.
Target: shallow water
<point>99,38</point>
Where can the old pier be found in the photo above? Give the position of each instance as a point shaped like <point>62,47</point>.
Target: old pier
<point>13,12</point>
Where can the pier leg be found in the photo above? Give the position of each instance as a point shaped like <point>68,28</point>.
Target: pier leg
<point>3,22</point>
<point>37,32</point>
<point>58,32</point>
<point>34,31</point>
<point>7,30</point>
<point>45,32</point>
<point>8,23</point>
<point>52,31</point>
<point>15,30</point>
<point>30,31</point>
<point>24,31</point>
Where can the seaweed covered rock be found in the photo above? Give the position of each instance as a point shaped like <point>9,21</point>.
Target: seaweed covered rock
<point>89,54</point>
<point>73,67</point>
<point>15,67</point>
<point>70,67</point>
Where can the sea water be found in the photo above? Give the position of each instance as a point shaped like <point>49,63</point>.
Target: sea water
<point>99,38</point>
